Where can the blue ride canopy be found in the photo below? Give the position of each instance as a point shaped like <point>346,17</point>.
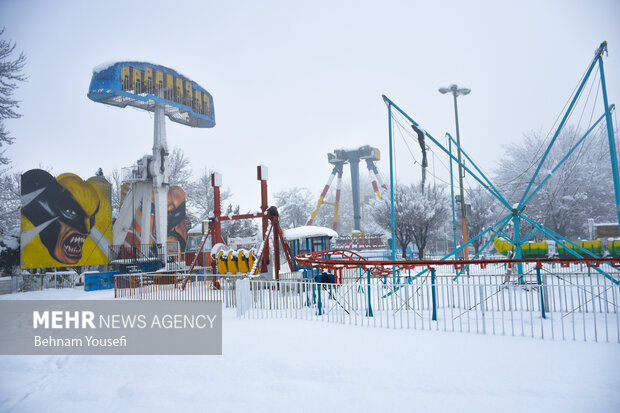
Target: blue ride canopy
<point>142,85</point>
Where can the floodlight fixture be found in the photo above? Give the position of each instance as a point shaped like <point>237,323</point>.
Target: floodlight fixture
<point>456,91</point>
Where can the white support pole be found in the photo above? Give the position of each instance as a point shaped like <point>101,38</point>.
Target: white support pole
<point>145,193</point>
<point>159,173</point>
<point>124,222</point>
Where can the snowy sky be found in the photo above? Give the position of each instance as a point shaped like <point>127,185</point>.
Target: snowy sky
<point>293,81</point>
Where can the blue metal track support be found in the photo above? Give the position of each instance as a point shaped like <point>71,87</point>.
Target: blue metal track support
<point>610,132</point>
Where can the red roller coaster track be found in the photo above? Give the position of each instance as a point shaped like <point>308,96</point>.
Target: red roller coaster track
<point>338,259</point>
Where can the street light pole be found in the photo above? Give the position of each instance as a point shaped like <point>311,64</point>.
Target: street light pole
<point>455,93</point>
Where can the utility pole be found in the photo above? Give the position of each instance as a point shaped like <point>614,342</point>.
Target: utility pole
<point>454,89</point>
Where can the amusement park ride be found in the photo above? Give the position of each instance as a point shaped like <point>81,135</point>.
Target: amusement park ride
<point>165,92</point>
<point>516,215</point>
<point>337,283</point>
<point>584,252</point>
<point>339,158</point>
<point>228,261</point>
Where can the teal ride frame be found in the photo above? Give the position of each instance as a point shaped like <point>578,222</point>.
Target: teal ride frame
<point>516,211</point>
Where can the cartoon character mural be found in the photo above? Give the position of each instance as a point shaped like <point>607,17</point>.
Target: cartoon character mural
<point>177,231</point>
<point>65,221</point>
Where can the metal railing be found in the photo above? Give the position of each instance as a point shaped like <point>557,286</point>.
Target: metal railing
<point>169,286</point>
<point>549,301</point>
<point>147,257</point>
<point>579,307</point>
<point>509,271</point>
<point>38,282</point>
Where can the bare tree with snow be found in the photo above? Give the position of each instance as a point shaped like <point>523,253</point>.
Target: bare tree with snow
<point>418,215</point>
<point>485,212</point>
<point>179,172</point>
<point>10,73</point>
<point>200,196</point>
<point>295,206</point>
<point>116,182</point>
<point>238,228</point>
<point>580,189</point>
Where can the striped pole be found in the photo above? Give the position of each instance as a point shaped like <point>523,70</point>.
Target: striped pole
<point>337,203</point>
<point>323,194</point>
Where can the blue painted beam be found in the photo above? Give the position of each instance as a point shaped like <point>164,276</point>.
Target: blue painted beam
<point>472,173</point>
<point>559,129</point>
<point>492,188</point>
<point>507,220</point>
<point>506,237</point>
<point>507,217</point>
<point>392,184</point>
<point>529,235</point>
<point>556,237</point>
<point>579,142</point>
<point>610,133</point>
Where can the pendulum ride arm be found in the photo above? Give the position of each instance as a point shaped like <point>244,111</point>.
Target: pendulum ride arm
<point>337,168</point>
<point>372,168</point>
<point>382,184</point>
<point>337,202</point>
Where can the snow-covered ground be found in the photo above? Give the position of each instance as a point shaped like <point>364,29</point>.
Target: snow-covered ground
<point>280,365</point>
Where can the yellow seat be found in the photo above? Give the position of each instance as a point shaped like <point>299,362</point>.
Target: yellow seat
<point>242,262</point>
<point>232,263</point>
<point>222,263</point>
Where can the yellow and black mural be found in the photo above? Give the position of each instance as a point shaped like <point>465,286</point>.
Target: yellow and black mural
<point>65,221</point>
<point>177,231</point>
